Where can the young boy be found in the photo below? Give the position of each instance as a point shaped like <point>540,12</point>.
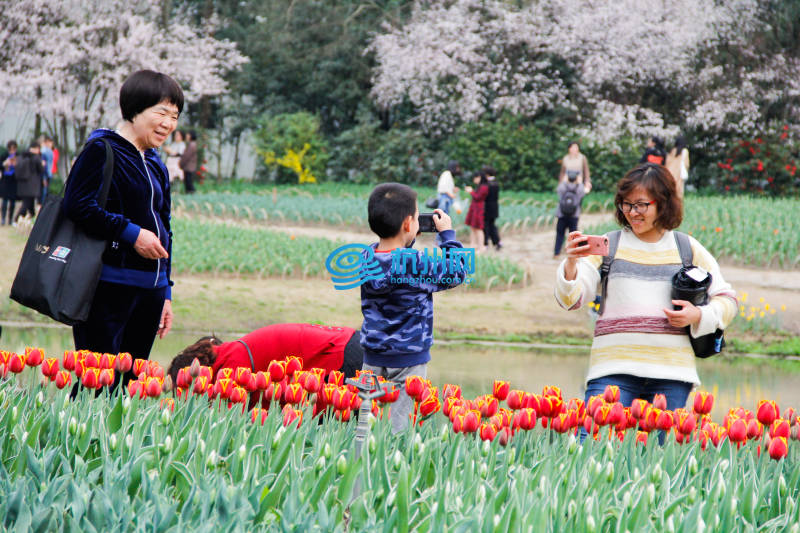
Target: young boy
<point>397,333</point>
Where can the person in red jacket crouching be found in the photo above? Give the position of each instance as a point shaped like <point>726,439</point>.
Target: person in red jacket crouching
<point>326,347</point>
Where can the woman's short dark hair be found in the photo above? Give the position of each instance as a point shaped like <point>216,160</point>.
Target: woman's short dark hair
<point>488,170</point>
<point>660,184</point>
<point>575,143</point>
<point>389,205</point>
<point>146,88</point>
<point>680,144</point>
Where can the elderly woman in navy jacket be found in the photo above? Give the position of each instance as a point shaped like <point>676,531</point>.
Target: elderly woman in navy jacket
<point>133,299</point>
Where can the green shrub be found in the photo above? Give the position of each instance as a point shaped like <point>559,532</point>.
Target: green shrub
<point>292,147</point>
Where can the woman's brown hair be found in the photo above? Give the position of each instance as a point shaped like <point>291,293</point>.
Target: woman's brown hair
<point>203,350</point>
<point>660,184</point>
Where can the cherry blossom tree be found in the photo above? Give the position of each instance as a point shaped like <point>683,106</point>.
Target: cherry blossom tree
<point>67,60</point>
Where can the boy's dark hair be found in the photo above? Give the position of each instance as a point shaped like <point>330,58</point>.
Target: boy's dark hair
<point>389,205</point>
<point>34,144</point>
<point>12,143</point>
<point>660,184</point>
<point>146,88</point>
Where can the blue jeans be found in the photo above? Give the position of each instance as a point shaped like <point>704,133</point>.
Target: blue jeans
<point>632,387</point>
<point>445,202</point>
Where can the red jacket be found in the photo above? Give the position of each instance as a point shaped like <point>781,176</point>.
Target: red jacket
<point>318,346</point>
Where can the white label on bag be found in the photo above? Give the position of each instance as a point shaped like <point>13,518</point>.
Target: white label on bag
<point>697,273</point>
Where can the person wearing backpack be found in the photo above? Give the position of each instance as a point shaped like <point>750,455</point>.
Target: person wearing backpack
<point>640,339</point>
<point>29,176</point>
<point>570,195</point>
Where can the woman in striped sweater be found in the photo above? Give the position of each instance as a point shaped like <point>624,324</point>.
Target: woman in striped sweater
<point>640,342</point>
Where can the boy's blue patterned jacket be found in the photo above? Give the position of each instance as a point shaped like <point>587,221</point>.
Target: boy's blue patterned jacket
<point>398,315</point>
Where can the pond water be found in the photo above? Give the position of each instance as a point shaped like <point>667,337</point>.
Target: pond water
<point>475,367</point>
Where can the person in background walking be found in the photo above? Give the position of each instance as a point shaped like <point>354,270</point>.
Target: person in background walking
<point>678,164</point>
<point>654,151</point>
<point>174,152</point>
<point>188,162</point>
<point>46,143</point>
<point>475,214</point>
<point>446,187</point>
<point>491,210</point>
<point>570,195</point>
<point>8,183</point>
<point>30,177</point>
<point>575,164</point>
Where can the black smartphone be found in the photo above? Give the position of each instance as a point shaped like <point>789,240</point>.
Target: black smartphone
<point>426,224</point>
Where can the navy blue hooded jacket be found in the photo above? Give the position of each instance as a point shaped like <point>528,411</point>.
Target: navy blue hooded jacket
<point>139,197</point>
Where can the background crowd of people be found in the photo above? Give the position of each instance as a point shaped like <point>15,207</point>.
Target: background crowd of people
<point>26,177</point>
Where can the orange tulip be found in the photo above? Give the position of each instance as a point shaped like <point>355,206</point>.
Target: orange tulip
<point>562,423</point>
<point>489,406</point>
<point>429,405</point>
<point>641,437</point>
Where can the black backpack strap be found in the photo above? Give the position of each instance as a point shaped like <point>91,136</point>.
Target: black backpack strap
<point>684,248</point>
<point>250,354</point>
<point>613,243</point>
<point>108,173</point>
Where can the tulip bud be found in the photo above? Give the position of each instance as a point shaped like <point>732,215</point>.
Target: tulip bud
<point>572,444</point>
<point>372,444</point>
<point>73,424</point>
<point>591,526</point>
<point>397,459</point>
<point>129,441</point>
<point>341,465</point>
<point>212,459</point>
<point>82,429</point>
<point>126,405</point>
<point>276,438</point>
<point>112,442</point>
<point>609,472</point>
<point>242,452</point>
<point>194,368</point>
<point>39,399</point>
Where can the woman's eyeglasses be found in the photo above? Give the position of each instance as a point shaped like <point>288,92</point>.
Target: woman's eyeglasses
<point>638,207</point>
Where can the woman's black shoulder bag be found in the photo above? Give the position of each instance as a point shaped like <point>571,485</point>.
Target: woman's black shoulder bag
<point>61,264</point>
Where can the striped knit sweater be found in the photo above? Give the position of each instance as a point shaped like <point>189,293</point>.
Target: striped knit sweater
<point>633,336</point>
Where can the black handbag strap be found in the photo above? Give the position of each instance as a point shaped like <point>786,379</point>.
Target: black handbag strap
<point>250,354</point>
<point>108,173</point>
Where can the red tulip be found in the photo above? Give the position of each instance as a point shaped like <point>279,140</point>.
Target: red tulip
<point>63,378</point>
<point>16,363</point>
<point>489,407</point>
<point>139,366</point>
<point>154,370</point>
<point>390,394</point>
<point>91,378</point>
<point>562,423</point>
<point>616,415</point>
<point>262,380</point>
<point>258,413</point>
<point>737,432</point>
<point>429,405</point>
<point>664,420</point>
<point>504,436</point>
<point>500,390</point>
<point>200,385</point>
<point>703,402</point>
<point>780,428</point>
<point>33,356</point>
<point>594,403</point>
<point>167,403</point>
<point>488,432</point>
<point>767,412</point>
<point>106,360</point>
<point>754,429</point>
<point>778,448</point>
<point>550,390</point>
<point>415,386</point>
<point>451,391</point>
<point>472,421</point>
<point>291,416</point>
<point>546,405</point>
<point>641,437</point>
<point>717,434</point>
<point>525,419</point>
<point>153,387</point>
<point>69,360</point>
<point>294,394</point>
<point>313,383</point>
<point>238,395</point>
<point>589,425</point>
<point>344,416</point>
<point>134,387</point>
<point>336,378</point>
<point>449,403</point>
<point>660,402</point>
<point>225,373</point>
<point>788,414</point>
<point>276,369</point>
<point>207,372</point>
<point>293,364</point>
<point>123,363</point>
<point>687,422</point>
<point>341,398</point>
<point>328,391</point>
<point>243,375</point>
<point>639,408</point>
<point>611,394</point>
<point>515,399</point>
<point>223,387</point>
<point>106,377</point>
<point>184,379</point>
<point>50,367</point>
